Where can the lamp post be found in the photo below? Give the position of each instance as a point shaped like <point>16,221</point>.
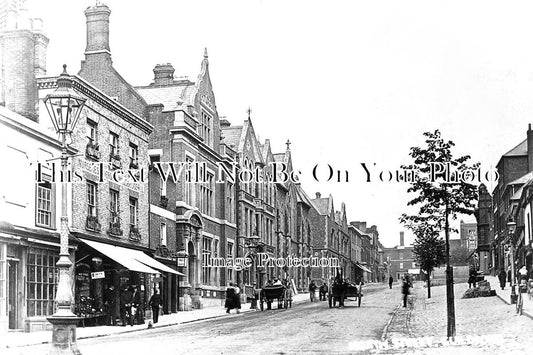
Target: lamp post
<point>64,106</point>
<point>512,228</point>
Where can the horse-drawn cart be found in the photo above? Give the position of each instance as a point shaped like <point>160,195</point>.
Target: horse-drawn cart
<point>341,291</point>
<point>280,293</point>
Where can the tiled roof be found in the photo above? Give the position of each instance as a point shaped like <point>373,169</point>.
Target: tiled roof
<point>520,149</point>
<point>302,196</point>
<point>232,136</point>
<point>523,179</point>
<point>170,96</point>
<point>321,205</point>
<point>264,149</point>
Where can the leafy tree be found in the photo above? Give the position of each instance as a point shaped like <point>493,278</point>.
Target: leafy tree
<point>443,191</point>
<point>429,249</point>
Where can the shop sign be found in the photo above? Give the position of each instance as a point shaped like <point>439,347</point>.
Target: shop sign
<point>181,261</point>
<point>98,275</point>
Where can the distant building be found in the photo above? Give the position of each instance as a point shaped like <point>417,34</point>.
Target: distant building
<point>400,259</point>
<point>468,235</point>
<point>485,236</point>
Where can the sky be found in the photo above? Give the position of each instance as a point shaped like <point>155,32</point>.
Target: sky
<point>347,82</point>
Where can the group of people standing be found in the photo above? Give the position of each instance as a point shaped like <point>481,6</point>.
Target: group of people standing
<point>131,309</point>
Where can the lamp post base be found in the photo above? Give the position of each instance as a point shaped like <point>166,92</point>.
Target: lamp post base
<point>64,335</point>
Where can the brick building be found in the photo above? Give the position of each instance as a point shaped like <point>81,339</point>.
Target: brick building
<point>485,236</point>
<point>29,224</point>
<point>332,239</point>
<point>401,260</point>
<point>286,216</point>
<point>304,236</point>
<point>468,235</point>
<point>29,212</point>
<point>514,169</point>
<point>199,218</point>
<point>256,202</point>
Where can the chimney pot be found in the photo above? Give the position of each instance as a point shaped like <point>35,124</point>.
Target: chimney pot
<point>401,239</point>
<point>318,195</point>
<point>163,74</point>
<point>97,28</point>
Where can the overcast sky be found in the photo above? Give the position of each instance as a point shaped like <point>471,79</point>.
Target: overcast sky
<point>346,81</point>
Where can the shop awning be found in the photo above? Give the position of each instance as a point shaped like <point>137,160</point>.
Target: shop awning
<point>151,262</point>
<point>123,256</point>
<point>365,269</point>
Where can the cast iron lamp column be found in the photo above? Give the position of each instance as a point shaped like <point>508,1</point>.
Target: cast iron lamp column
<point>64,106</point>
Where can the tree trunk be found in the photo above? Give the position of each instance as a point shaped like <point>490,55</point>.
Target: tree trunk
<point>429,284</point>
<point>449,281</point>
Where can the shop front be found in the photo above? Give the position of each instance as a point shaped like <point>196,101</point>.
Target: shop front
<point>104,273</point>
<point>28,278</point>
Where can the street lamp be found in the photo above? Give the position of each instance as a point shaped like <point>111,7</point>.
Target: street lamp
<point>511,225</point>
<point>64,106</point>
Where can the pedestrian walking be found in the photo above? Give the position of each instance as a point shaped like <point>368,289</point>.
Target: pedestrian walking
<point>391,280</point>
<point>502,275</point>
<point>110,305</point>
<point>230,296</point>
<point>522,274</point>
<point>406,285</point>
<point>323,291</point>
<point>237,298</point>
<point>312,289</point>
<point>156,302</point>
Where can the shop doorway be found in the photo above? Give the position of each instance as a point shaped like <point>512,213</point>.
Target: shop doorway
<point>191,265</point>
<point>12,277</point>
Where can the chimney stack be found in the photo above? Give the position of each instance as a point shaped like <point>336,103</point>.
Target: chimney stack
<point>318,195</point>
<point>23,47</point>
<point>97,29</point>
<point>224,123</point>
<point>163,74</point>
<point>530,148</point>
<point>401,239</point>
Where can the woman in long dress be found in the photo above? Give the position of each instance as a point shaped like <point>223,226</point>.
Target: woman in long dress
<point>230,296</point>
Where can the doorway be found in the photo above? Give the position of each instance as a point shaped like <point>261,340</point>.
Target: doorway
<point>12,277</point>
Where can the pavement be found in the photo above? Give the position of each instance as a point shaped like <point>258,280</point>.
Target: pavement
<point>20,339</point>
<point>483,325</point>
<point>505,295</point>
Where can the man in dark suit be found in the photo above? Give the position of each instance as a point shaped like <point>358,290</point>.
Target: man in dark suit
<point>110,304</point>
<point>137,303</point>
<point>125,307</point>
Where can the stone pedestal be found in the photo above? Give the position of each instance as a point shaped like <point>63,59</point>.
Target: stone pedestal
<point>196,301</point>
<point>185,303</point>
<point>64,335</point>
